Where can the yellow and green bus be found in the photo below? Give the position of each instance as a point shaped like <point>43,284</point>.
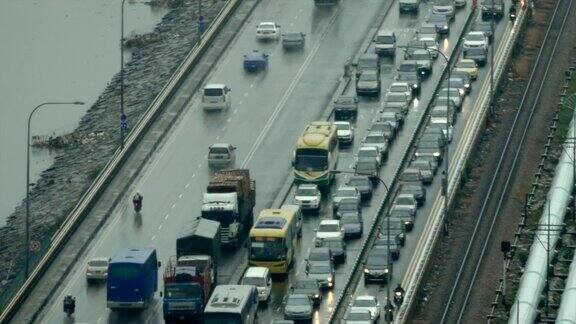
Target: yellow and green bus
<point>273,240</point>
<point>316,154</point>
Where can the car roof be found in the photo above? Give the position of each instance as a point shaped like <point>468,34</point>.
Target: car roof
<point>330,221</point>
<point>215,86</point>
<point>99,259</point>
<point>308,186</point>
<point>255,54</point>
<point>480,33</point>
<point>267,23</point>
<point>467,61</point>
<point>220,145</point>
<point>365,297</point>
<point>385,33</point>
<point>257,272</point>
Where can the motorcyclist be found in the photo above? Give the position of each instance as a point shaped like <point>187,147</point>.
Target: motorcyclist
<point>69,304</point>
<point>137,201</point>
<point>398,295</point>
<point>512,12</point>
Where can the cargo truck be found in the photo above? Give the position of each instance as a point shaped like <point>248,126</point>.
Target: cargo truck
<point>229,199</point>
<point>191,275</point>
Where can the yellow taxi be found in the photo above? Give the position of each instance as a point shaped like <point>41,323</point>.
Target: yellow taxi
<point>468,66</point>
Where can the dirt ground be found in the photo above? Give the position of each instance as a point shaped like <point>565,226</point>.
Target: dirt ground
<point>450,250</point>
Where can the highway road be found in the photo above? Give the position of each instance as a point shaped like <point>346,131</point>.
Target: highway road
<point>433,190</point>
<point>268,113</point>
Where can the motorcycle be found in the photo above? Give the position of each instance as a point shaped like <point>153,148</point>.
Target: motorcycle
<point>137,206</point>
<point>512,13</point>
<point>69,305</point>
<point>398,298</point>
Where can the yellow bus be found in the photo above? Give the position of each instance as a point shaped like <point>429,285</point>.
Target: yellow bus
<point>316,154</point>
<point>273,240</point>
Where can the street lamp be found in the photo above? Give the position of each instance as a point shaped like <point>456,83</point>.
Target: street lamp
<point>27,222</point>
<point>448,106</point>
<point>388,261</point>
<point>123,124</point>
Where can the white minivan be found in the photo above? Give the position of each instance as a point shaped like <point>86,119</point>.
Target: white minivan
<point>216,97</point>
<point>259,277</point>
<point>221,154</point>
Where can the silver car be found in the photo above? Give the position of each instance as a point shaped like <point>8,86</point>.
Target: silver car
<point>97,269</point>
<point>308,196</point>
<point>379,140</point>
<point>298,307</point>
<point>344,192</point>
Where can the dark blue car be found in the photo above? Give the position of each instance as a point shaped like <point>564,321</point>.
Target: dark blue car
<point>255,61</point>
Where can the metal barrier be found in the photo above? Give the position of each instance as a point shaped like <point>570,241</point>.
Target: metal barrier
<point>99,185</point>
<point>425,246</point>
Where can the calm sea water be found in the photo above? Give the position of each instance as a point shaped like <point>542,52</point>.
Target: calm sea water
<point>56,50</point>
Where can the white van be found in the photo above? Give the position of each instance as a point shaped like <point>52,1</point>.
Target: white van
<point>216,97</point>
<point>259,277</point>
<point>298,211</point>
<point>221,154</point>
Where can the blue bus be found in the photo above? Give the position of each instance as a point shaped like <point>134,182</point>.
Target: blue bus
<point>132,278</point>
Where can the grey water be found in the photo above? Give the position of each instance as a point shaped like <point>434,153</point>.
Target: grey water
<point>54,50</point>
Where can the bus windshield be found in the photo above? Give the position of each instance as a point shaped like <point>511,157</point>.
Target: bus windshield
<point>222,318</point>
<point>311,160</point>
<point>182,291</point>
<point>268,249</point>
<point>124,272</point>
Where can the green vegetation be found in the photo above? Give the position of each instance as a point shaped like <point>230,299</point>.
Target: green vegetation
<point>565,114</point>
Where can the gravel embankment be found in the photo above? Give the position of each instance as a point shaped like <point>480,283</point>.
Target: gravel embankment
<point>155,57</point>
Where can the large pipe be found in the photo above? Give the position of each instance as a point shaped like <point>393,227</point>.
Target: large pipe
<point>567,311</point>
<point>533,281</point>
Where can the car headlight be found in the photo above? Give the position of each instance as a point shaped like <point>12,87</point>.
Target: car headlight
<point>406,223</point>
<point>385,270</point>
<point>467,85</point>
<point>366,271</point>
<point>316,296</point>
<point>436,154</point>
<point>461,92</point>
<point>415,86</point>
<point>330,279</point>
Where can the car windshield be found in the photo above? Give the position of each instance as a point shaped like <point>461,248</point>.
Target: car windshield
<point>328,228</point>
<point>410,176</point>
<point>365,166</point>
<point>345,101</point>
<point>359,316</point>
<point>211,92</point>
<point>428,145</point>
<point>98,263</point>
<point>374,139</point>
<point>254,281</point>
<point>367,153</point>
<point>376,259</point>
<point>475,37</point>
<point>400,212</point>
<point>311,159</point>
<point>428,30</point>
<point>306,192</point>
<point>421,164</point>
<point>437,18</point>
<point>358,182</point>
<point>346,192</point>
<point>298,301</point>
<point>430,43</point>
<point>342,126</point>
<point>466,64</point>
<point>218,150</point>
<point>483,27</point>
<point>385,39</point>
<point>319,268</point>
<point>398,88</point>
<point>368,62</point>
<point>293,36</point>
<point>368,77</point>
<point>475,51</point>
<point>420,56</point>
<point>267,26</point>
<point>319,255</point>
<point>309,284</point>
<point>407,67</point>
<point>349,218</point>
<point>407,77</point>
<point>270,249</point>
<point>364,303</point>
<point>396,97</point>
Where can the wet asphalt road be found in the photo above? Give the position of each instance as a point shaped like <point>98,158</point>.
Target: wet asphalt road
<point>269,110</point>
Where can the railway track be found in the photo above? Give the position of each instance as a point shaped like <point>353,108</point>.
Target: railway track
<point>497,192</point>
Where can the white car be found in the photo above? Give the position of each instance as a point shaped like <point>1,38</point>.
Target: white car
<point>460,3</point>
<point>259,277</point>
<point>403,87</point>
<point>97,269</point>
<point>369,152</point>
<point>268,31</point>
<point>344,192</point>
<point>308,196</point>
<point>432,45</point>
<point>344,131</point>
<point>441,122</point>
<point>367,302</point>
<point>329,228</point>
<point>359,316</point>
<point>476,40</point>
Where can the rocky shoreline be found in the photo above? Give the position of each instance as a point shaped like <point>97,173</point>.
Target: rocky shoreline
<point>75,167</point>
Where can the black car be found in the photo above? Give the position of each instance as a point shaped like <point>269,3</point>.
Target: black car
<point>479,55</point>
<point>345,108</point>
<point>429,149</point>
<point>384,127</point>
<point>377,267</point>
<point>352,224</point>
<point>362,184</point>
<point>385,241</point>
<point>417,190</point>
<point>347,205</point>
<point>310,287</point>
<point>368,62</point>
<point>432,160</point>
<point>337,246</point>
<point>405,214</point>
<point>397,228</point>
<point>492,9</point>
<point>293,40</point>
<point>441,22</point>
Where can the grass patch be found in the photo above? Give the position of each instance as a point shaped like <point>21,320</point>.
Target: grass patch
<point>565,115</point>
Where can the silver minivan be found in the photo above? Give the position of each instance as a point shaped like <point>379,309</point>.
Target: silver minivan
<point>221,154</point>
<point>216,97</point>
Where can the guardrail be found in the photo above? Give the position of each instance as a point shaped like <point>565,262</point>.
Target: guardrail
<point>426,244</point>
<point>99,185</point>
<point>406,157</point>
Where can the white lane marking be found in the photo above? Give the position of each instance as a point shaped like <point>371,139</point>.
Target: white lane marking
<point>160,227</point>
<point>235,111</point>
<point>229,119</point>
<point>245,94</point>
<point>291,24</point>
<point>252,85</point>
<point>167,215</point>
<point>188,184</point>
<point>295,17</point>
<point>218,137</point>
<point>240,102</point>
<point>224,128</point>
<point>153,237</point>
<point>173,205</point>
<point>193,175</point>
<point>99,319</point>
<point>199,165</point>
<point>180,196</point>
<point>289,91</point>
